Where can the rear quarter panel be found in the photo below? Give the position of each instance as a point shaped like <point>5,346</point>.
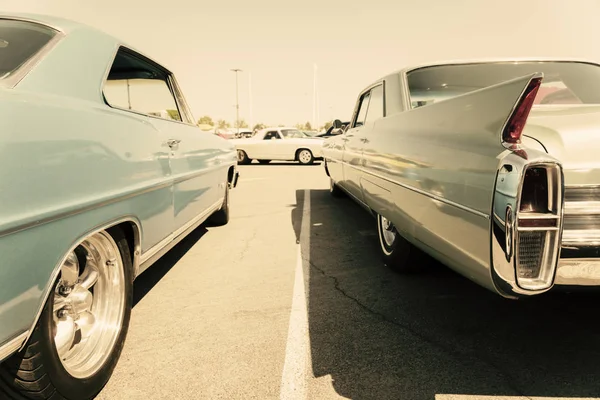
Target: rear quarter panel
<point>436,166</point>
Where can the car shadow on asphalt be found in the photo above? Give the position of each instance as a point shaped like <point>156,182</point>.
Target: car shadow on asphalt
<point>430,335</point>
<point>150,277</point>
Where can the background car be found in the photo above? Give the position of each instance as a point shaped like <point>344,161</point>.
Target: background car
<point>108,175</point>
<point>243,133</point>
<point>311,133</point>
<point>283,144</point>
<point>333,131</point>
<point>491,167</point>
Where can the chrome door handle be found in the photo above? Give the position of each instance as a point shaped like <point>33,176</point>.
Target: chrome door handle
<point>364,140</point>
<point>173,142</point>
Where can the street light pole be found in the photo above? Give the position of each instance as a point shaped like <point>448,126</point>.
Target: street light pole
<point>237,100</point>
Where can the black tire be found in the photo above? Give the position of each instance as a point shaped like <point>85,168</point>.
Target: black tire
<point>305,156</point>
<point>242,157</point>
<point>37,372</point>
<point>401,255</point>
<point>221,217</point>
<point>334,189</point>
<point>264,161</point>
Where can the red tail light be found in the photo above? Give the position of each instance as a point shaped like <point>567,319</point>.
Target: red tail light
<point>514,127</point>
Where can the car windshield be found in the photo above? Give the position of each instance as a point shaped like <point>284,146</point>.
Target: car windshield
<point>563,82</point>
<point>19,41</point>
<point>292,133</point>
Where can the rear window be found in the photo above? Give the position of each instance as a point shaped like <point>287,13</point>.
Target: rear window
<point>563,82</point>
<point>19,42</point>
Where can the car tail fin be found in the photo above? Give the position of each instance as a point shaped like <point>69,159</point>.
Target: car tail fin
<point>513,129</point>
<point>491,117</point>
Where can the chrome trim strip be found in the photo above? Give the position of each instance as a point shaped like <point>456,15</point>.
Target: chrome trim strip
<point>192,175</point>
<point>21,72</point>
<point>155,249</point>
<point>13,345</point>
<point>35,21</point>
<point>423,192</point>
<point>89,207</point>
<point>583,185</point>
<point>581,237</point>
<point>102,203</point>
<point>216,206</point>
<point>181,100</point>
<point>74,244</point>
<point>156,252</point>
<point>582,208</point>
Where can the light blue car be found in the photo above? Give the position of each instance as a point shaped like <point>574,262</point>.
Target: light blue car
<point>102,171</point>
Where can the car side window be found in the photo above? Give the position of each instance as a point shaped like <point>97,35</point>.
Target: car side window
<point>375,110</point>
<point>137,84</point>
<point>362,110</point>
<point>271,135</point>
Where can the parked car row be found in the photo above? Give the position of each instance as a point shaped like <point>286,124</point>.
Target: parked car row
<point>488,166</point>
<point>100,178</point>
<point>491,167</point>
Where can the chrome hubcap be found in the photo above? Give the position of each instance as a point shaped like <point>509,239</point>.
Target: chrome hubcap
<point>388,232</point>
<point>89,303</point>
<point>304,156</point>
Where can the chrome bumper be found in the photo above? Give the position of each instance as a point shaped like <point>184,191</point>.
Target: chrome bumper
<point>234,180</point>
<point>579,263</point>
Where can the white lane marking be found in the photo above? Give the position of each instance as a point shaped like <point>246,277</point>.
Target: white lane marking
<point>294,383</point>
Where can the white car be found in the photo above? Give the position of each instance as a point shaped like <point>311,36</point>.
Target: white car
<point>282,144</point>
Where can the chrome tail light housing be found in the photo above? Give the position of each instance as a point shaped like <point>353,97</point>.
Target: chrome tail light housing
<point>526,223</point>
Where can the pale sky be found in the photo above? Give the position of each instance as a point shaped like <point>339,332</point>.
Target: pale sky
<point>352,42</point>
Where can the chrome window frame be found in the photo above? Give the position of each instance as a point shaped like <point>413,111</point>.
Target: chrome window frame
<point>375,86</point>
<point>24,69</point>
<point>170,82</point>
<point>359,101</point>
<point>358,108</point>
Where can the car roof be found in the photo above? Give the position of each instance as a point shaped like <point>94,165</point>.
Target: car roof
<point>489,60</point>
<point>78,64</point>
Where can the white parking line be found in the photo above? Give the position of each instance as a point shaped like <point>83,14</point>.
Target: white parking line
<point>294,383</point>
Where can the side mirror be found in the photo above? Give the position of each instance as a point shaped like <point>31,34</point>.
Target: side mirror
<point>337,124</point>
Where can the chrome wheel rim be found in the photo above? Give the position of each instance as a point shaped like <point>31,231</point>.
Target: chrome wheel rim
<point>89,304</point>
<point>240,155</point>
<point>304,156</point>
<point>388,231</point>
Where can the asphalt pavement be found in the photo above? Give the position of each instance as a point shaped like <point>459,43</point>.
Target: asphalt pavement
<point>290,301</point>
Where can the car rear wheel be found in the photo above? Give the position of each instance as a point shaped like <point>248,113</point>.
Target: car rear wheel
<point>79,336</point>
<point>305,156</point>
<point>242,157</point>
<point>398,253</point>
